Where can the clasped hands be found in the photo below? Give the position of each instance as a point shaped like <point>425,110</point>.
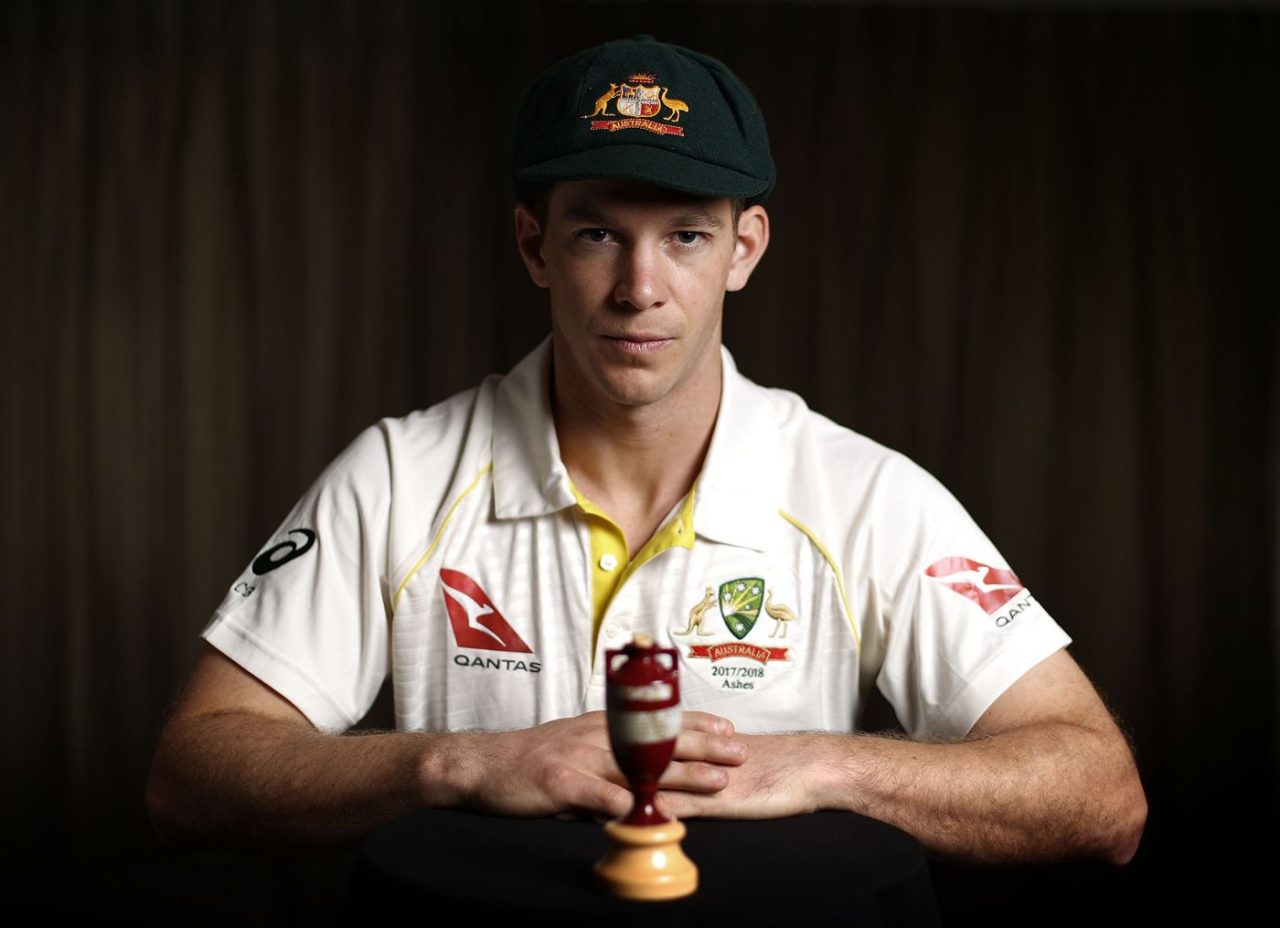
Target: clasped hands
<point>566,767</point>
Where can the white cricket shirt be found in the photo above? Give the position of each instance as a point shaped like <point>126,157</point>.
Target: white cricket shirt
<point>450,549</point>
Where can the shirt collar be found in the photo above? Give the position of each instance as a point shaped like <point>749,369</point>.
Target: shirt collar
<point>529,478</point>
<point>737,495</point>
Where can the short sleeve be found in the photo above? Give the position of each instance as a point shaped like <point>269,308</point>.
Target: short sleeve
<point>309,615</point>
<point>960,626</point>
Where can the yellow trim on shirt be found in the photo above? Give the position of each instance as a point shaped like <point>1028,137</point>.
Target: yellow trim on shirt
<point>834,567</point>
<point>608,540</point>
<point>395,601</point>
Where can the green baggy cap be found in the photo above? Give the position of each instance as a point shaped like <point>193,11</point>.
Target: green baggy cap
<point>642,109</point>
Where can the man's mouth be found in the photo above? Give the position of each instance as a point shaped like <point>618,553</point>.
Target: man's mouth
<point>639,344</point>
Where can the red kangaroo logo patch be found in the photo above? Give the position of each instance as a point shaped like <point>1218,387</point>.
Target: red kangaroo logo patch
<point>476,621</point>
<point>989,587</point>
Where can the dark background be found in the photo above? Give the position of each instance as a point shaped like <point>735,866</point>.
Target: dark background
<point>1033,246</point>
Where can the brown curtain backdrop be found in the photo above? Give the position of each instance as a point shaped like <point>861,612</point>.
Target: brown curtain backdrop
<point>1033,248</point>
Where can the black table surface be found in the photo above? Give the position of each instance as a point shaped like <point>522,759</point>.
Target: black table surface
<point>825,868</point>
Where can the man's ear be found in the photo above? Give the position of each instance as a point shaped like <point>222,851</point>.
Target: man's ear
<point>753,240</point>
<point>529,244</point>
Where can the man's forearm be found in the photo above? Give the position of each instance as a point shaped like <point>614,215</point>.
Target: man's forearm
<point>1041,792</point>
<point>241,779</point>
<point>236,779</point>
<point>1047,791</point>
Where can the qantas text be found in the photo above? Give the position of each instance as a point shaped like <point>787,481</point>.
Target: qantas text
<point>497,663</point>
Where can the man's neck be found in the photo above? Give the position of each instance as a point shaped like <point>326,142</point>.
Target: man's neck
<point>635,463</point>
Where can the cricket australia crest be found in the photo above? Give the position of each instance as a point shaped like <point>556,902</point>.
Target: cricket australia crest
<point>740,604</point>
<point>636,101</point>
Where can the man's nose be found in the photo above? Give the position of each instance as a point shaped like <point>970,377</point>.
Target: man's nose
<point>641,284</point>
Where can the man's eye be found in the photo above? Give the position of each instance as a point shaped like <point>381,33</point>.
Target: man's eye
<point>688,238</point>
<point>594,235</point>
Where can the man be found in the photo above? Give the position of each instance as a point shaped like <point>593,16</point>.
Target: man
<point>625,478</point>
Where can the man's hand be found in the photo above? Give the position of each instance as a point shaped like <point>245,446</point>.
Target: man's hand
<point>778,779</point>
<point>1045,774</point>
<point>567,766</point>
<point>238,765</point>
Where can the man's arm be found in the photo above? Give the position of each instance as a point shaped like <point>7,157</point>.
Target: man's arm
<point>1045,774</point>
<point>237,765</point>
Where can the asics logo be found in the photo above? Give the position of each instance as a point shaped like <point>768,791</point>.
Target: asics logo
<point>283,553</point>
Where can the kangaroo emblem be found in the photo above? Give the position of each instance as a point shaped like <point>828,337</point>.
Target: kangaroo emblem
<point>987,586</point>
<point>602,103</point>
<point>676,106</point>
<point>473,611</point>
<point>780,614</point>
<point>698,613</point>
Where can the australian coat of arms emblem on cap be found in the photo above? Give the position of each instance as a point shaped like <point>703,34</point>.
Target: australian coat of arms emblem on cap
<point>636,101</point>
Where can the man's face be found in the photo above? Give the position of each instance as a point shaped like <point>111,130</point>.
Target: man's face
<point>637,276</point>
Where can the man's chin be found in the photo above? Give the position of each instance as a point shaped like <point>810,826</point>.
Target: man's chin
<point>634,399</point>
<point>634,389</point>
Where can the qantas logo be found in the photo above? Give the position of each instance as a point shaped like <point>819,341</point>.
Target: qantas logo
<point>476,622</point>
<point>989,587</point>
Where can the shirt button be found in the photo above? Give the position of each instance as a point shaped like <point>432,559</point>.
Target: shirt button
<point>608,562</point>
<point>611,630</point>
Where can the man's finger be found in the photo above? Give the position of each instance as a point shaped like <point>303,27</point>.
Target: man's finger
<point>684,805</point>
<point>695,778</point>
<point>707,722</point>
<point>593,795</point>
<point>712,748</point>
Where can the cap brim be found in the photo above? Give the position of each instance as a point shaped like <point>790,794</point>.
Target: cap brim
<point>649,165</point>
